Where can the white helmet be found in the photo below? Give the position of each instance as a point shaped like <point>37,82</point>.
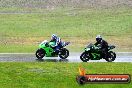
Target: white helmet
<point>98,38</point>
<point>54,36</point>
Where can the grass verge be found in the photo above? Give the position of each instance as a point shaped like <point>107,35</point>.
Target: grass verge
<point>79,26</point>
<point>57,75</point>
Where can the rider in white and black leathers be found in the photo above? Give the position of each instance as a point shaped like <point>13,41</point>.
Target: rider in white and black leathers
<point>57,40</point>
<point>103,45</point>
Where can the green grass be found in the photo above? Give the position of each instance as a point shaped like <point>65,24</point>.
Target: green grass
<point>57,75</point>
<point>79,26</point>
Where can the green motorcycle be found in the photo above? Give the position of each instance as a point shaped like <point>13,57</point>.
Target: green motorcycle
<point>93,52</point>
<point>45,49</point>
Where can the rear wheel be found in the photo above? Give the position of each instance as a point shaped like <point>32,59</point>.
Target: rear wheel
<point>111,56</point>
<point>40,53</point>
<point>63,53</point>
<point>84,57</point>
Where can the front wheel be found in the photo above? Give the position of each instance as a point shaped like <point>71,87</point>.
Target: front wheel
<point>111,56</point>
<point>63,53</point>
<point>40,53</point>
<point>84,57</point>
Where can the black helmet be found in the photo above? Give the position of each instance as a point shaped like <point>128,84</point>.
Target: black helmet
<point>98,38</point>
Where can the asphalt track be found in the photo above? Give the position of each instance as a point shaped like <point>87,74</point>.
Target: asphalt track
<point>74,57</point>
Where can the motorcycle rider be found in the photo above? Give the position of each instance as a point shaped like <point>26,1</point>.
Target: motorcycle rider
<point>58,42</point>
<point>103,45</point>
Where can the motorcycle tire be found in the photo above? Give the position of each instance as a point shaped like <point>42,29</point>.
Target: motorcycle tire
<point>111,56</point>
<point>40,53</point>
<point>63,53</point>
<point>84,57</point>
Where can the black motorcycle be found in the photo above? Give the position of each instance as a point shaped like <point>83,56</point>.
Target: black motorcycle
<point>93,52</point>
